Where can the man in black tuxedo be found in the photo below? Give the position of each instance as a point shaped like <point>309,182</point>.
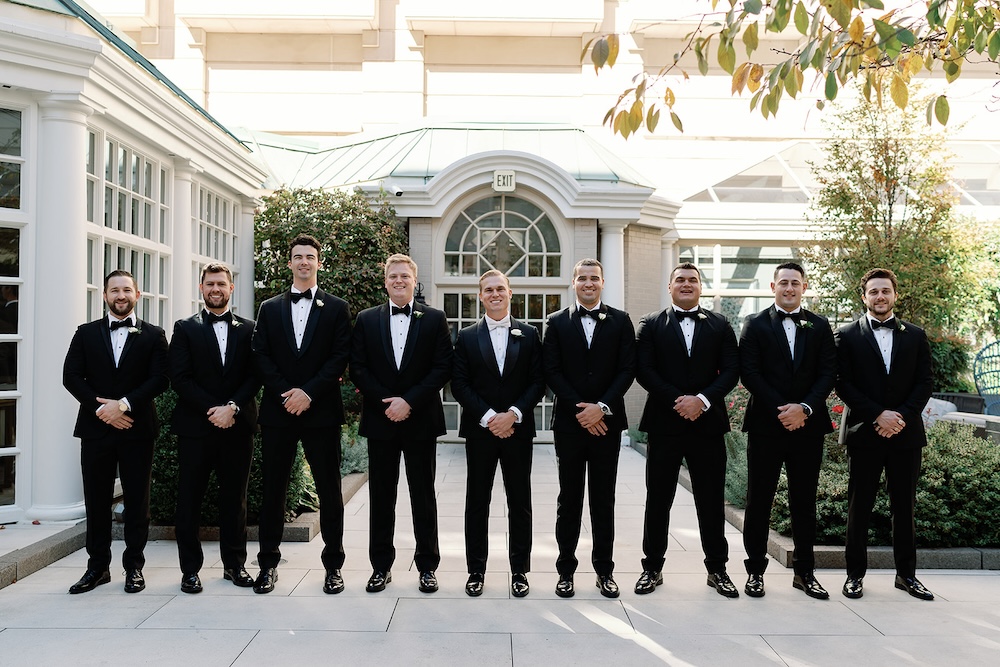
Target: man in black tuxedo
<point>116,356</point>
<point>400,359</point>
<point>884,368</point>
<point>588,356</point>
<point>300,346</point>
<point>498,381</point>
<point>788,364</point>
<point>688,362</point>
<point>216,415</point>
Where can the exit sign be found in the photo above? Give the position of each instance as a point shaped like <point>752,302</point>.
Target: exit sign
<point>503,181</point>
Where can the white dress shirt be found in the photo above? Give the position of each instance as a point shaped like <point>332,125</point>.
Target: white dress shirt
<point>589,323</point>
<point>221,329</point>
<point>788,324</point>
<point>687,328</point>
<point>119,335</point>
<point>883,336</point>
<point>300,314</point>
<point>499,335</point>
<point>399,327</point>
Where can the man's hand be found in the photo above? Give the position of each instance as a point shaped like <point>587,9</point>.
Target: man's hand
<point>502,424</point>
<point>689,407</point>
<point>589,415</point>
<point>889,423</point>
<point>398,409</point>
<point>600,428</point>
<point>111,415</point>
<point>296,401</point>
<point>222,416</point>
<point>792,416</point>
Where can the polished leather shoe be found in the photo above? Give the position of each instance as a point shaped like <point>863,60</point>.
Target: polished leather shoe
<point>134,581</point>
<point>853,588</point>
<point>754,586</point>
<point>239,576</point>
<point>428,582</point>
<point>334,582</point>
<point>808,584</point>
<point>90,580</point>
<point>474,586</point>
<point>191,583</point>
<point>519,584</point>
<point>723,585</point>
<point>606,583</point>
<point>378,580</point>
<point>913,587</point>
<point>648,581</point>
<point>266,580</point>
<point>564,587</point>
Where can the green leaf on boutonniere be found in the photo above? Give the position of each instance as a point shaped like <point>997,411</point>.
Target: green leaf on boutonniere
<point>418,314</point>
<point>805,324</point>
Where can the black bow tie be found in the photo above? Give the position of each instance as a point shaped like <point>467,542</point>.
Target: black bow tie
<point>405,310</point>
<point>685,314</point>
<point>301,295</point>
<point>212,318</point>
<point>592,314</point>
<point>118,324</point>
<point>888,324</point>
<point>794,317</point>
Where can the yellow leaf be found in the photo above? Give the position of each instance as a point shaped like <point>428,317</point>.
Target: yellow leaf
<point>676,120</point>
<point>941,110</point>
<point>668,98</point>
<point>857,30</point>
<point>740,77</point>
<point>916,64</point>
<point>612,50</point>
<point>898,91</point>
<point>652,119</point>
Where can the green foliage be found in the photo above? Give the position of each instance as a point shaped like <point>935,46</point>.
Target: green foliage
<point>353,450</point>
<point>356,234</point>
<point>835,41</point>
<point>950,364</point>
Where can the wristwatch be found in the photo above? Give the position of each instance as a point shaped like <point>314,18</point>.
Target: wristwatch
<point>236,408</point>
<point>123,406</point>
<point>604,408</point>
<point>808,410</point>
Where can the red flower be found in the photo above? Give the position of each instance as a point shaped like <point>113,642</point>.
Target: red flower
<point>834,425</point>
<point>838,409</point>
<point>732,403</point>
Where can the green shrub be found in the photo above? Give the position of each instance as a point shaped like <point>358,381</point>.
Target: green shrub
<point>353,450</point>
<point>950,364</point>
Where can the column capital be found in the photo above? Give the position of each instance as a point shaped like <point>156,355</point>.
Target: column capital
<point>669,238</point>
<point>68,106</point>
<point>186,168</point>
<point>613,226</point>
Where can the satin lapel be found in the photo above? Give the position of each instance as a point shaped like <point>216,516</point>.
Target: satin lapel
<point>312,321</point>
<point>411,335</point>
<point>286,319</point>
<point>235,331</point>
<point>674,326</point>
<point>599,324</point>
<point>897,343</point>
<point>386,334</point>
<point>699,328</point>
<point>129,340</point>
<point>800,342</point>
<point>513,345</point>
<point>106,335</point>
<point>213,343</point>
<point>574,317</point>
<point>779,334</point>
<point>486,346</point>
<point>866,331</point>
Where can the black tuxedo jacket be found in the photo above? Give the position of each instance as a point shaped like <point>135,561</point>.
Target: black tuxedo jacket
<point>425,369</point>
<point>316,368</point>
<point>202,381</point>
<point>478,385</point>
<point>867,389</point>
<point>666,371</point>
<point>89,372</point>
<point>773,378</point>
<point>599,374</point>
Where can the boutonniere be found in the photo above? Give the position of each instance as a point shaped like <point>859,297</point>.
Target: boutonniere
<point>235,322</point>
<point>418,313</point>
<point>702,316</point>
<point>902,327</point>
<point>134,330</point>
<point>805,324</point>
<point>516,333</point>
<point>319,303</point>
<point>602,316</point>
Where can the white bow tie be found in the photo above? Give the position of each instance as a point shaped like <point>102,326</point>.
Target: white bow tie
<point>494,324</point>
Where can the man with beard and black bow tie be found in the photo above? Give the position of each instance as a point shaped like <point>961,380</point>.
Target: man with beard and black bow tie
<point>498,381</point>
<point>788,364</point>
<point>214,421</point>
<point>116,356</point>
<point>688,362</point>
<point>400,359</point>
<point>300,346</point>
<point>884,367</point>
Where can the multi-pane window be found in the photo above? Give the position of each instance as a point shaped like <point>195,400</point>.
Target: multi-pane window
<point>216,226</point>
<point>10,337</point>
<point>11,160</point>
<point>134,197</point>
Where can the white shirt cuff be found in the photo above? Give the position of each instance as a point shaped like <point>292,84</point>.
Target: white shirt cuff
<point>708,404</point>
<point>517,414</point>
<point>484,422</point>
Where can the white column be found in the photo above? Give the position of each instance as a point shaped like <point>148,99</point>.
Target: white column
<point>244,284</point>
<point>613,259</point>
<point>183,241</point>
<point>57,267</point>
<point>668,260</point>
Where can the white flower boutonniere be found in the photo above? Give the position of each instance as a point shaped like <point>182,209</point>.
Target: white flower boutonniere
<point>319,303</point>
<point>235,322</point>
<point>902,327</point>
<point>702,316</point>
<point>602,316</point>
<point>516,333</point>
<point>805,324</point>
<point>418,313</point>
<point>134,330</point>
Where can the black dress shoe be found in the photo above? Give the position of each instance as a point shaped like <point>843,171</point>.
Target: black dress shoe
<point>428,582</point>
<point>519,584</point>
<point>334,582</point>
<point>648,581</point>
<point>807,583</point>
<point>378,580</point>
<point>134,581</point>
<point>564,587</point>
<point>912,586</point>
<point>474,586</point>
<point>191,583</point>
<point>90,580</point>
<point>853,588</point>
<point>754,586</point>
<point>606,583</point>
<point>266,580</point>
<point>721,582</point>
<point>239,576</point>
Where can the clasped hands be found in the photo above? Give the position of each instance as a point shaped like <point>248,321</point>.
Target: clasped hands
<point>111,415</point>
<point>889,423</point>
<point>591,417</point>
<point>792,416</point>
<point>398,409</point>
<point>295,401</point>
<point>502,424</point>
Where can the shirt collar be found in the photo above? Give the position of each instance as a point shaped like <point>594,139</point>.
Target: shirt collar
<point>131,319</point>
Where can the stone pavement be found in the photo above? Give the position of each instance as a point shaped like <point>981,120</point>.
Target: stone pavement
<point>683,623</point>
